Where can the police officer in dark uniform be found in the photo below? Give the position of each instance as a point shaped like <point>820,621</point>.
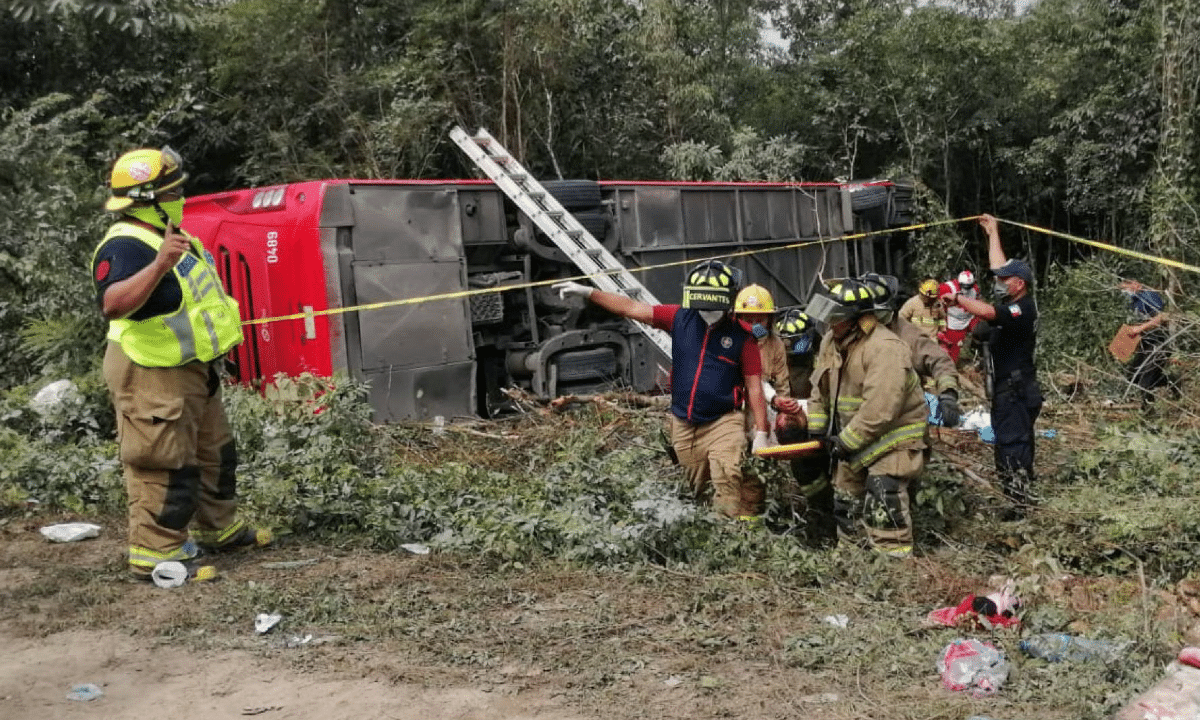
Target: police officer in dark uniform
<point>1011,338</point>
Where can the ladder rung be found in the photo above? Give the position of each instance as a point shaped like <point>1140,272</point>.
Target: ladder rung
<point>550,217</point>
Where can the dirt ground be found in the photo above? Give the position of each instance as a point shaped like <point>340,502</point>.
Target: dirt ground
<point>393,635</point>
<point>139,680</point>
<point>55,637</point>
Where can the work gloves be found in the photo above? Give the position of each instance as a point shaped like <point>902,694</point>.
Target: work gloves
<point>572,289</point>
<point>948,409</point>
<point>837,449</point>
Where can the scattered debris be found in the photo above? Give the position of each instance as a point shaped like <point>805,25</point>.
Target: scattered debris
<point>673,681</point>
<point>54,396</point>
<point>265,621</point>
<point>976,667</point>
<point>1176,695</point>
<point>85,692</point>
<point>1057,647</point>
<point>416,548</point>
<point>169,574</point>
<point>70,532</point>
<point>985,612</point>
<point>839,621</point>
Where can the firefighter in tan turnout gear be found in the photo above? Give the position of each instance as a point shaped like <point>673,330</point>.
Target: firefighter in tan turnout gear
<point>170,322</point>
<point>755,307</point>
<point>923,309</point>
<point>868,402</point>
<point>930,361</point>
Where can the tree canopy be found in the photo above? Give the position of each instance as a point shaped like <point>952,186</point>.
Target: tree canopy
<point>1074,114</point>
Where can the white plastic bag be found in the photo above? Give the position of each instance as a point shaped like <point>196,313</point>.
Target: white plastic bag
<point>70,532</point>
<point>977,667</point>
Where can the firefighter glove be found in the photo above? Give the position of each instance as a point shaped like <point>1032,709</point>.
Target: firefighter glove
<point>948,409</point>
<point>572,289</point>
<point>837,449</point>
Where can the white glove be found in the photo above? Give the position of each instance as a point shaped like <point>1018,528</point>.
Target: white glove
<point>568,288</point>
<point>762,441</point>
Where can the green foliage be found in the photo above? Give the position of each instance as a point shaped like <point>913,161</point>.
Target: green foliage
<point>48,322</point>
<point>62,457</point>
<point>1080,309</point>
<point>1125,505</point>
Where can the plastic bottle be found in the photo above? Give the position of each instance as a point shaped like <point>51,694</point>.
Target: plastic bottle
<point>1057,647</point>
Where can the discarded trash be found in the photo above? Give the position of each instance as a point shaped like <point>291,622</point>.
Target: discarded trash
<point>1057,647</point>
<point>1049,434</point>
<point>290,564</point>
<point>975,420</point>
<point>70,532</point>
<point>973,666</point>
<point>265,621</point>
<point>85,692</point>
<point>987,611</point>
<point>672,681</point>
<point>1176,695</point>
<point>840,621</point>
<point>416,548</point>
<point>1190,656</point>
<point>439,425</point>
<point>54,396</point>
<point>297,641</point>
<point>169,574</point>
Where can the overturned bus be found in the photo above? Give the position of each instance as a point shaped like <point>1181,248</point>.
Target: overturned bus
<point>333,245</point>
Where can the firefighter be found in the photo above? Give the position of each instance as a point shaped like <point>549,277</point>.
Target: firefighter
<point>932,364</point>
<point>714,360</point>
<point>924,310</point>
<point>170,323</point>
<point>755,307</point>
<point>1011,336</point>
<point>801,341</point>
<point>867,401</point>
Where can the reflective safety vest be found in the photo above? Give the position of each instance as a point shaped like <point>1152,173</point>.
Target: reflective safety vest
<point>205,326</point>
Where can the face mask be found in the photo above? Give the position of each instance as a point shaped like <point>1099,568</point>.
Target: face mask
<point>758,331</point>
<point>1000,290</point>
<point>710,316</point>
<point>174,210</point>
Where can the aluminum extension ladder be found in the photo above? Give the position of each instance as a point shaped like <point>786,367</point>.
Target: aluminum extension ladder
<point>601,267</point>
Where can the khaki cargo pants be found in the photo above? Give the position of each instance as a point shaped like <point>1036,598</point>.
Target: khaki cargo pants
<point>711,455</point>
<point>178,455</point>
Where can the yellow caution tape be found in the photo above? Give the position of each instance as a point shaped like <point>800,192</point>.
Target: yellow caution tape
<point>1105,246</point>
